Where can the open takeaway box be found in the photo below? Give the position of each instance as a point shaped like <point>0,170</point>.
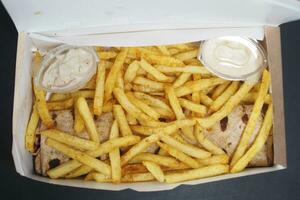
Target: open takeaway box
<point>46,24</point>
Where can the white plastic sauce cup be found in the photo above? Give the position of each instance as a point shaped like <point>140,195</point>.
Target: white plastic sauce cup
<point>233,57</point>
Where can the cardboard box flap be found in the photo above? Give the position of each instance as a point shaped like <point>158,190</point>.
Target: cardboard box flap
<point>98,16</point>
<point>144,38</point>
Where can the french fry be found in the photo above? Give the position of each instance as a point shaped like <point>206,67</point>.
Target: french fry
<point>152,101</point>
<point>127,86</point>
<point>141,72</point>
<point>206,143</point>
<point>115,143</point>
<point>142,106</point>
<point>99,91</point>
<point>157,94</point>
<point>257,144</point>
<point>130,108</point>
<point>163,60</point>
<point>143,130</point>
<point>183,78</point>
<point>158,159</point>
<point>179,155</point>
<point>81,170</point>
<point>42,107</point>
<point>215,159</point>
<point>63,169</point>
<point>256,87</point>
<point>128,61</point>
<point>141,177</point>
<point>88,119</point>
<point>178,137</point>
<point>132,53</point>
<point>195,86</point>
<point>103,148</point>
<point>174,51</point>
<point>164,50</point>
<point>87,94</point>
<point>185,148</point>
<point>198,108</point>
<point>203,172</point>
<point>164,113</point>
<point>89,177</point>
<point>78,121</point>
<point>187,55</point>
<point>73,141</point>
<point>162,152</point>
<point>186,69</point>
<point>105,55</point>
<point>120,81</point>
<point>140,52</point>
<point>138,148</point>
<point>252,96</point>
<point>256,111</point>
<point>108,106</point>
<point>119,115</point>
<point>219,90</point>
<point>174,102</point>
<point>167,129</point>
<point>221,99</point>
<point>133,169</point>
<point>155,170</point>
<point>113,73</point>
<point>149,83</point>
<point>153,49</point>
<point>81,157</point>
<point>153,71</point>
<point>98,48</point>
<point>196,96</point>
<point>31,128</point>
<point>234,100</point>
<point>36,63</point>
<point>204,99</point>
<point>145,89</point>
<point>131,72</point>
<point>140,168</point>
<point>101,178</point>
<point>170,79</point>
<point>125,103</point>
<point>60,105</point>
<point>131,120</point>
<point>59,96</point>
<point>114,155</point>
<point>193,61</point>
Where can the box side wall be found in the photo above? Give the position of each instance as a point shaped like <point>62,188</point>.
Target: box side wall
<point>273,42</point>
<point>22,105</point>
<point>151,186</point>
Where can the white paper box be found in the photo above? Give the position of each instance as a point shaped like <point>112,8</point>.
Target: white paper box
<point>45,24</point>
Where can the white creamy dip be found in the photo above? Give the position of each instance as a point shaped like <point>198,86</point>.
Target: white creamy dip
<point>67,69</point>
<point>231,57</point>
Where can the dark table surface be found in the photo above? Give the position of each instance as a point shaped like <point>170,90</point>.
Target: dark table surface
<point>284,184</point>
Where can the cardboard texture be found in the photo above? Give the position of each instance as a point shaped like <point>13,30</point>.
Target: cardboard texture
<point>40,26</point>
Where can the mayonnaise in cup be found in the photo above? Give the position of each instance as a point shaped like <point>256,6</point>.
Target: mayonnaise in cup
<point>233,57</point>
<point>66,68</point>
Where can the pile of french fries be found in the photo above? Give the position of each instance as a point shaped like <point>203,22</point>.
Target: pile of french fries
<point>159,95</point>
